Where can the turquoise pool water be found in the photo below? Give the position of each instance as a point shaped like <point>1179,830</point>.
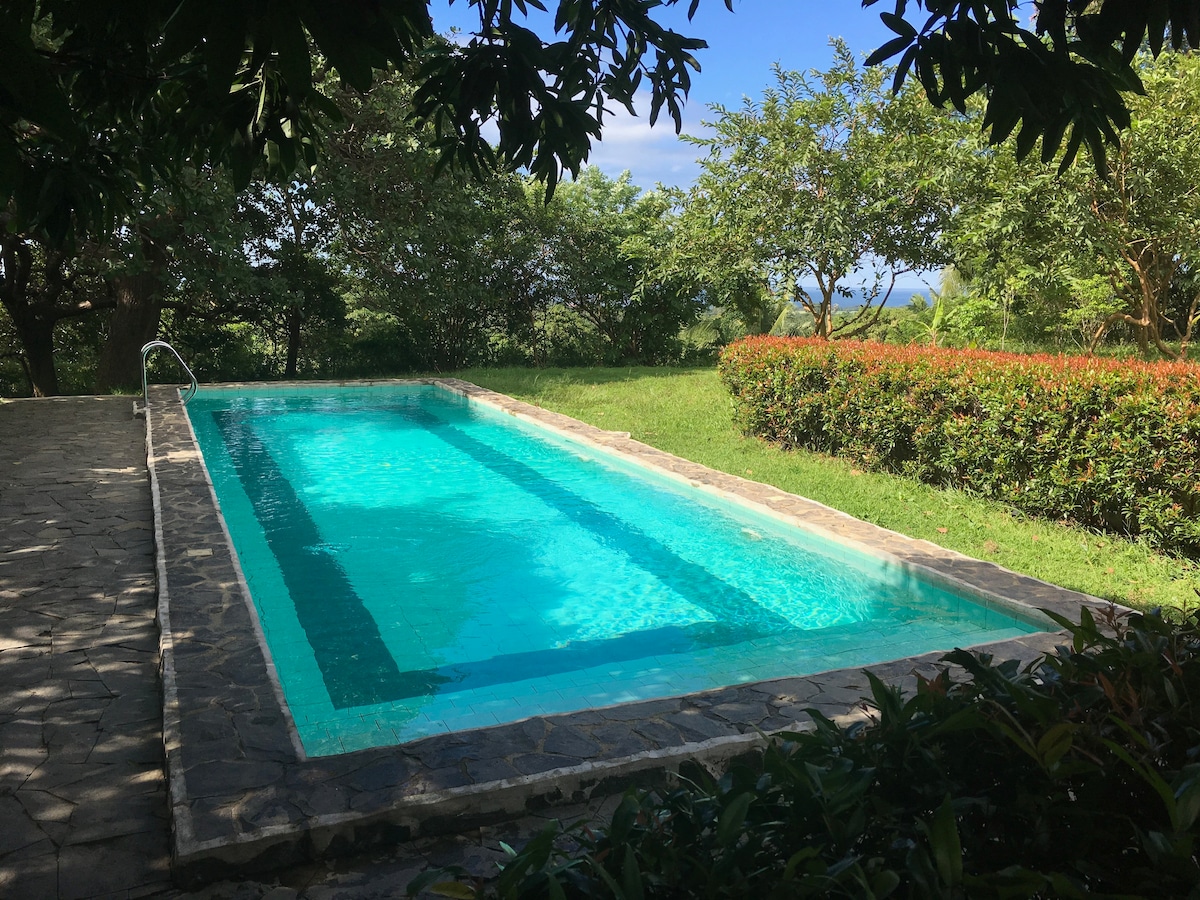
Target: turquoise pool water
<point>421,563</point>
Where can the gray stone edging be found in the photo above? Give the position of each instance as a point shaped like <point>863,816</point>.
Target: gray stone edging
<point>244,797</point>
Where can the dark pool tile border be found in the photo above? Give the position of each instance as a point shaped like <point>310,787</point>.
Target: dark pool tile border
<point>245,798</point>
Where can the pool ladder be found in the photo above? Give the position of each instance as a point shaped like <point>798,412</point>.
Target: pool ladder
<point>187,394</point>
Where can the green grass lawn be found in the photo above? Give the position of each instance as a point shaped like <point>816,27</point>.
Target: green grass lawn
<point>687,412</point>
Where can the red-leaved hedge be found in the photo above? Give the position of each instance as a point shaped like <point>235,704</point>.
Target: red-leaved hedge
<point>1105,443</point>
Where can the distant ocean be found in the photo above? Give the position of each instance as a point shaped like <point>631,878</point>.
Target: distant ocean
<point>901,296</point>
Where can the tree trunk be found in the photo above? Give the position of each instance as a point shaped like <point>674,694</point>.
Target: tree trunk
<point>38,289</point>
<point>134,321</point>
<point>294,321</point>
<point>822,312</point>
<point>37,341</point>
<point>34,327</point>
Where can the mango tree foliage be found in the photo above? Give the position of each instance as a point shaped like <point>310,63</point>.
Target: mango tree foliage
<point>226,297</point>
<point>826,179</point>
<point>102,100</point>
<point>41,289</point>
<point>128,277</point>
<point>299,283</point>
<point>1061,69</point>
<point>1018,240</point>
<point>107,108</point>
<point>433,264</point>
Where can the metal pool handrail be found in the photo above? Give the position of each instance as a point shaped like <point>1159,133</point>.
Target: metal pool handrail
<point>192,388</point>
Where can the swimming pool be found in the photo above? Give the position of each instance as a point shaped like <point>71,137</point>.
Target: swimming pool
<point>421,563</point>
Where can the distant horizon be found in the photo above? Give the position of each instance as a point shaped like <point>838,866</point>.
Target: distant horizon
<point>902,293</point>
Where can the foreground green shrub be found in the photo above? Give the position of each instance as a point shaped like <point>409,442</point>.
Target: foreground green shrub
<point>1078,775</point>
<point>1104,443</point>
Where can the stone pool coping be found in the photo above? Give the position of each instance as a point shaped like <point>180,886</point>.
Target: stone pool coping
<point>245,798</point>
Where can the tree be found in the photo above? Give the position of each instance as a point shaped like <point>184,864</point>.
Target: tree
<point>1107,250</point>
<point>1147,214</point>
<point>232,83</point>
<point>1066,75</point>
<point>823,179</point>
<point>604,237</point>
<point>137,280</point>
<point>1018,236</point>
<point>437,264</point>
<point>41,287</point>
<point>289,245</point>
<point>104,105</point>
<point>101,101</point>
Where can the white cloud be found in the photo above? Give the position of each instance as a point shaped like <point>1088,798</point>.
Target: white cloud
<point>651,155</point>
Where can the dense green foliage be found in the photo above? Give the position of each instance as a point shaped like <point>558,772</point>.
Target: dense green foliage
<point>103,102</point>
<point>436,274</point>
<point>831,183</point>
<point>1067,74</point>
<point>99,102</point>
<point>1077,775</point>
<point>1107,444</point>
<point>372,266</point>
<point>1076,255</point>
<point>129,139</point>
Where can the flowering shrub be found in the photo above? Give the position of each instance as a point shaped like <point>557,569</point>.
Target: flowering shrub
<point>1105,443</point>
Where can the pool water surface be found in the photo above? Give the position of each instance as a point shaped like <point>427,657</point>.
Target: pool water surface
<point>421,563</point>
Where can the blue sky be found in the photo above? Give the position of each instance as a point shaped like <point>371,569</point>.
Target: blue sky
<point>742,47</point>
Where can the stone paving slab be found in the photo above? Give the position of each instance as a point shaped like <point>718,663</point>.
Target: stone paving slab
<point>245,798</point>
<point>83,801</point>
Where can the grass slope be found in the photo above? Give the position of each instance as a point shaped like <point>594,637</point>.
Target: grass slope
<point>688,413</point>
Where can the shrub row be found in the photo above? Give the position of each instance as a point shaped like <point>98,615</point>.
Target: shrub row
<point>1105,443</point>
<point>1075,776</point>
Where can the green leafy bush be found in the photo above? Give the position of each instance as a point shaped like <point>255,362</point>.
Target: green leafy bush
<point>1077,775</point>
<point>1110,444</point>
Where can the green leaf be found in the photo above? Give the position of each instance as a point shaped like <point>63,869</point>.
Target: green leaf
<point>631,876</point>
<point>1027,138</point>
<point>32,88</point>
<point>797,859</point>
<point>888,50</point>
<point>454,889</point>
<point>898,25</point>
<point>1055,743</point>
<point>224,44</point>
<point>434,877</point>
<point>1187,804</point>
<point>947,848</point>
<point>291,44</point>
<point>885,883</point>
<point>733,816</point>
<point>1147,774</point>
<point>609,882</point>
